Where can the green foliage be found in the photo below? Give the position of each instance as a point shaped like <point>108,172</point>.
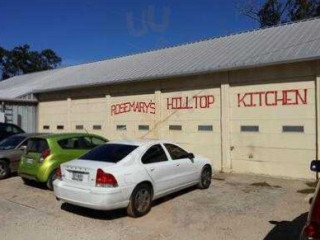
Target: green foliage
<point>270,13</point>
<point>273,12</point>
<point>303,9</point>
<point>21,60</point>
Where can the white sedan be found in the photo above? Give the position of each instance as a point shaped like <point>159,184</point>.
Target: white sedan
<point>130,174</point>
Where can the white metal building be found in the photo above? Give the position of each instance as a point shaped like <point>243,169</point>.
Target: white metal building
<point>249,101</point>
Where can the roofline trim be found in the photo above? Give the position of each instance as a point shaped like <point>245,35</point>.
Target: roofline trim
<point>17,100</point>
<point>174,75</point>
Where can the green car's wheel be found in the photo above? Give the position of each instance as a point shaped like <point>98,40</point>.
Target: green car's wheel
<point>52,177</point>
<point>4,169</point>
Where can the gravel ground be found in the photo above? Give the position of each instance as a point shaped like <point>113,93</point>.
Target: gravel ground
<point>235,207</point>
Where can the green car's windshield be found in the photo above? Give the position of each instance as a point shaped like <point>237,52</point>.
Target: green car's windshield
<point>11,142</point>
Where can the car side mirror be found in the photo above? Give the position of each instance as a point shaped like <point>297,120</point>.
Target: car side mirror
<point>190,156</point>
<point>23,148</point>
<point>315,166</point>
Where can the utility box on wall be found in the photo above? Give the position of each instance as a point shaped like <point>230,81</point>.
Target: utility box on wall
<point>2,117</point>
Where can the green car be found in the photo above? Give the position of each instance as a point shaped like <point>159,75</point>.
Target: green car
<point>44,154</point>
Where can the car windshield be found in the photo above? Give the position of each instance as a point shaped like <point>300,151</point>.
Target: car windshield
<point>112,153</point>
<point>11,142</point>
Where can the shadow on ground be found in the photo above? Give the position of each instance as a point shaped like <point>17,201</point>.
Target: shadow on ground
<point>96,214</point>
<point>35,184</point>
<point>288,230</point>
<point>120,213</point>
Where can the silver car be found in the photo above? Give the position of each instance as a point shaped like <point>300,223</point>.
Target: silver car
<point>11,150</point>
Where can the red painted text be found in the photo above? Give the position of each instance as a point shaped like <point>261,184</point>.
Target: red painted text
<point>204,101</point>
<point>141,107</point>
<point>273,98</point>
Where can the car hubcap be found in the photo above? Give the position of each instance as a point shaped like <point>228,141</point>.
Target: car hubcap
<point>142,200</point>
<point>2,170</point>
<point>206,177</point>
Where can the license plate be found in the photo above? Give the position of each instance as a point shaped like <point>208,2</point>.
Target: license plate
<point>77,176</point>
<point>29,160</point>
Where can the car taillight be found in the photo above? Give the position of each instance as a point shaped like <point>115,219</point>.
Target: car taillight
<point>311,231</point>
<point>44,154</point>
<point>58,174</point>
<point>105,179</point>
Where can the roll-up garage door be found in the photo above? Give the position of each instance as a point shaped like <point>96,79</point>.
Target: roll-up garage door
<point>273,128</point>
<point>192,119</point>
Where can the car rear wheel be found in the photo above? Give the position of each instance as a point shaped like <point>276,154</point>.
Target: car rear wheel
<point>140,202</point>
<point>52,177</point>
<point>205,179</point>
<point>4,169</point>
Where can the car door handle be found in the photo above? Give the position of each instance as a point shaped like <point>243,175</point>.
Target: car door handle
<point>178,164</point>
<point>152,169</point>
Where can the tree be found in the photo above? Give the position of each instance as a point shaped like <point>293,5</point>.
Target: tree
<point>303,9</point>
<point>273,12</point>
<point>20,60</point>
<point>270,13</point>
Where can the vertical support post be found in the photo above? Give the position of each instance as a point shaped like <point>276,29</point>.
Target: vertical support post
<point>157,117</point>
<point>226,164</point>
<point>317,104</point>
<point>69,125</point>
<point>108,123</point>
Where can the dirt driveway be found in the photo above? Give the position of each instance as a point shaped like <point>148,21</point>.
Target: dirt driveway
<point>238,207</point>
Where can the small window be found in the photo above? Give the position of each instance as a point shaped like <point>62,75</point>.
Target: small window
<point>79,127</point>
<point>207,128</point>
<point>46,127</point>
<point>90,142</point>
<point>70,143</point>
<point>298,129</point>
<point>154,154</point>
<point>60,127</point>
<point>16,130</point>
<point>97,141</point>
<point>11,129</point>
<point>176,152</point>
<point>144,127</point>
<point>80,143</point>
<point>121,127</point>
<point>96,127</point>
<point>175,127</point>
<point>249,128</point>
<point>37,145</point>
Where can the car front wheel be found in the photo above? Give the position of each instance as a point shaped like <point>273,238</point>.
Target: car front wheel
<point>205,179</point>
<point>4,169</point>
<point>140,202</point>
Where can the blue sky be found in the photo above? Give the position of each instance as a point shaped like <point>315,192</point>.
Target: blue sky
<point>90,30</point>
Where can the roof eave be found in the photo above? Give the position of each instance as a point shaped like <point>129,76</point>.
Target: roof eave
<point>235,68</point>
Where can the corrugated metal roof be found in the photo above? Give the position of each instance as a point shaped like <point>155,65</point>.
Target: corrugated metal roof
<point>280,44</point>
